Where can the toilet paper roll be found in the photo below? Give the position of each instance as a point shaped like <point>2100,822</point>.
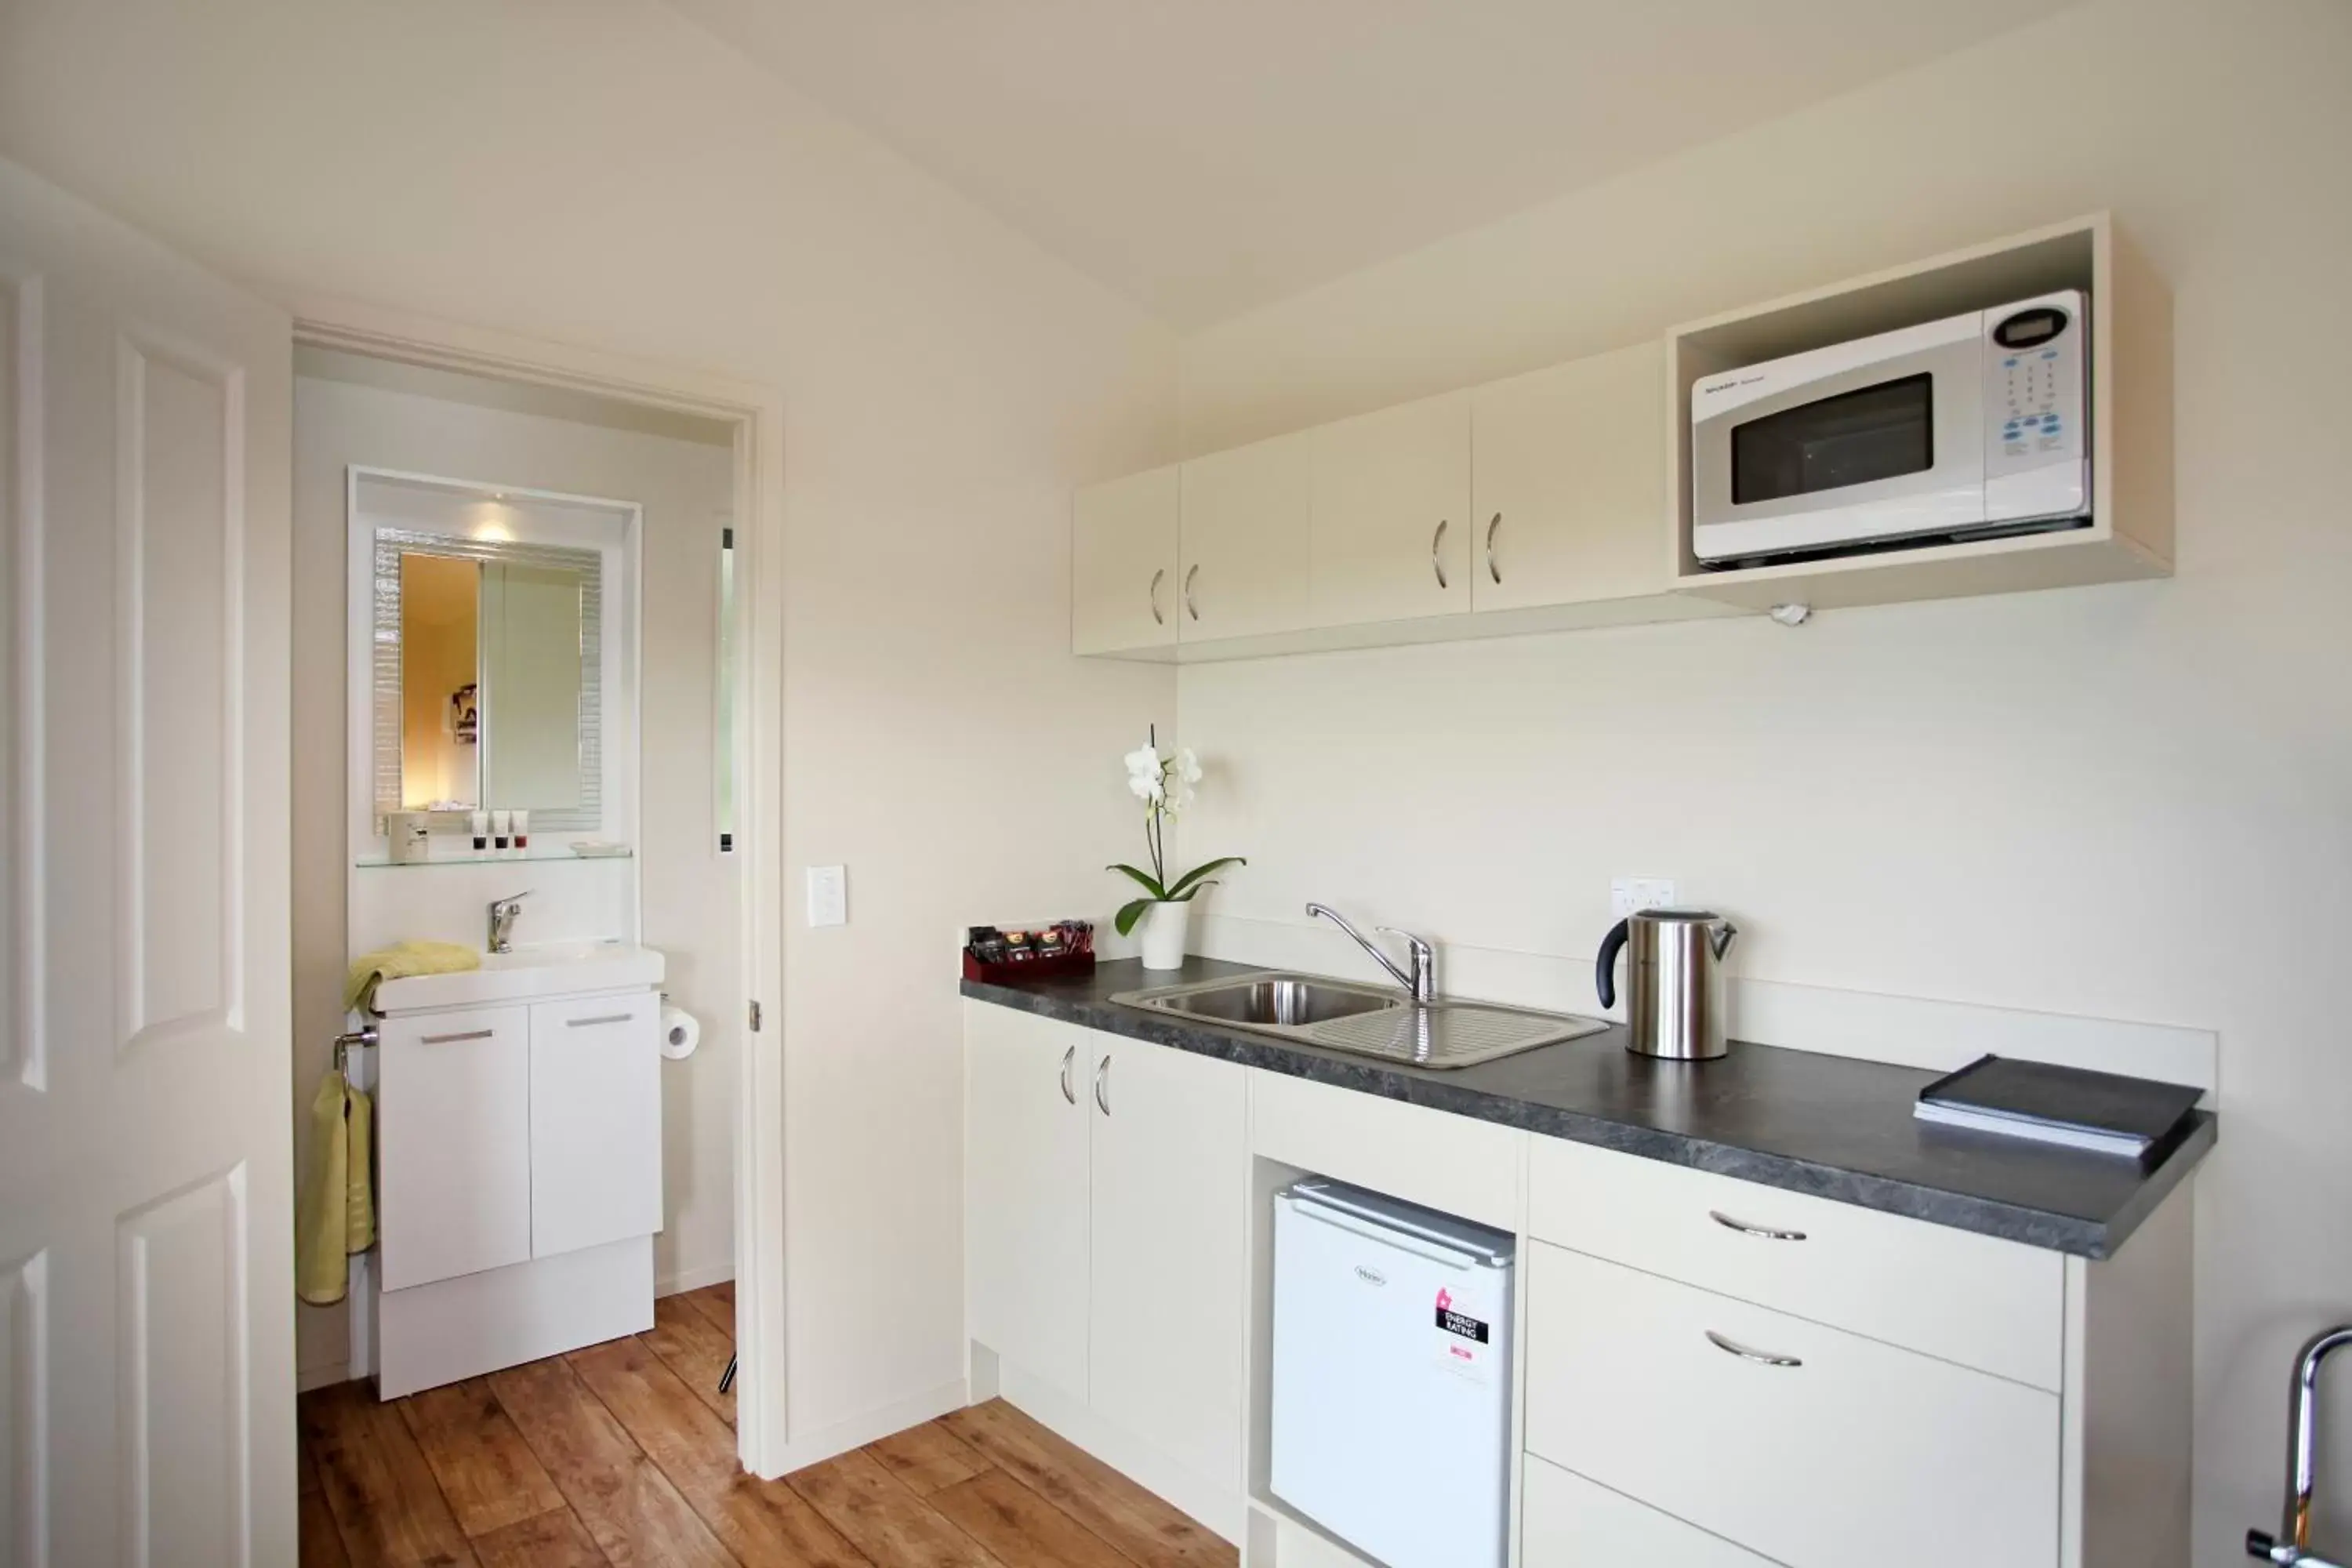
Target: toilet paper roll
<point>680,1033</point>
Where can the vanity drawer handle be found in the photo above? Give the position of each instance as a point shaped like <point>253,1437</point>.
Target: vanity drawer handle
<point>453,1039</point>
<point>602,1018</point>
<point>1761,1358</point>
<point>1744,1228</point>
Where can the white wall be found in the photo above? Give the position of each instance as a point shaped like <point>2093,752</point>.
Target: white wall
<point>604,173</point>
<point>689,891</point>
<point>2131,802</point>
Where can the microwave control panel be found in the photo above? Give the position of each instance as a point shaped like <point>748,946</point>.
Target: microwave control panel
<point>2036,429</point>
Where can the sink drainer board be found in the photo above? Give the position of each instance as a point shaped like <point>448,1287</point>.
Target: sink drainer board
<point>1363,1020</point>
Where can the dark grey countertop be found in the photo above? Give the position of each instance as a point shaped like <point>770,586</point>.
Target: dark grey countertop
<point>1831,1126</point>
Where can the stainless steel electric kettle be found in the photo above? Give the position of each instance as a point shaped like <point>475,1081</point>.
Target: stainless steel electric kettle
<point>1673,1004</point>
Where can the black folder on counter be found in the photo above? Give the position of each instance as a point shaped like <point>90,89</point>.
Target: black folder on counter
<point>2074,1106</point>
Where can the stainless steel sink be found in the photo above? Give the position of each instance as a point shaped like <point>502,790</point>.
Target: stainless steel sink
<point>1288,1001</point>
<point>1365,1020</point>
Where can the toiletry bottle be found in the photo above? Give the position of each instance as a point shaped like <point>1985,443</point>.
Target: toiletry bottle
<point>481,825</point>
<point>522,830</point>
<point>499,831</point>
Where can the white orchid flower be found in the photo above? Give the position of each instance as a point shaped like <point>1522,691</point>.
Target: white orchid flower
<point>1145,778</point>
<point>1182,773</point>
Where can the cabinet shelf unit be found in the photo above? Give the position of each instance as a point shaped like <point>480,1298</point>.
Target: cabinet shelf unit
<point>2129,537</point>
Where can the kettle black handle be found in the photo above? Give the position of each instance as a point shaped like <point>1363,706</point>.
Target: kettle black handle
<point>1605,966</point>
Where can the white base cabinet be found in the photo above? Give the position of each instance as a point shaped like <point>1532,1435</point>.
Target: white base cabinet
<point>453,1117</point>
<point>519,1183</point>
<point>1026,1204</point>
<point>1809,1445</point>
<point>1104,1239</point>
<point>1713,1374</point>
<point>1569,1522</point>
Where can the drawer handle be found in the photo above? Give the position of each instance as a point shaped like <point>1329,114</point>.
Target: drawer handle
<point>592,1023</point>
<point>1761,1358</point>
<point>1744,1228</point>
<point>453,1039</point>
<point>1102,1085</point>
<point>1068,1057</point>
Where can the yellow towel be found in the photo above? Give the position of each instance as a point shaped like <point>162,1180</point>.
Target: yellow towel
<point>336,1215</point>
<point>400,961</point>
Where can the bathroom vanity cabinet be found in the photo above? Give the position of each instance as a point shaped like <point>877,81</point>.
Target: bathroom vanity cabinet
<point>519,1181</point>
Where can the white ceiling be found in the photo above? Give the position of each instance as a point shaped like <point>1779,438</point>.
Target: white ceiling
<point>1207,156</point>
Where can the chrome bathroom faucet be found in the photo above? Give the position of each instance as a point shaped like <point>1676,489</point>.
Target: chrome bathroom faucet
<point>1421,982</point>
<point>502,919</point>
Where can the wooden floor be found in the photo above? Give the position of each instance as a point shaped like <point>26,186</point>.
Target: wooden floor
<point>624,1454</point>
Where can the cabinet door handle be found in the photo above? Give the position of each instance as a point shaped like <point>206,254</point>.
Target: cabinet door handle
<point>1157,578</point>
<point>1761,1358</point>
<point>1102,1085</point>
<point>1437,542</point>
<point>1069,1059</point>
<point>1191,608</point>
<point>1744,1228</point>
<point>1493,565</point>
<point>454,1039</point>
<point>592,1023</point>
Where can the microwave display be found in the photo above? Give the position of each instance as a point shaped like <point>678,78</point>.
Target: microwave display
<point>1880,432</point>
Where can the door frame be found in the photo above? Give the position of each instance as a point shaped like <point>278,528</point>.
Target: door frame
<point>757,413</point>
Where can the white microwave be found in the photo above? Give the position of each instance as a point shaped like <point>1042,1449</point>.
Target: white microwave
<point>1962,428</point>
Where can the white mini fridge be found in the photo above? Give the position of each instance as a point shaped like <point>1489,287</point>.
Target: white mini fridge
<point>1391,1376</point>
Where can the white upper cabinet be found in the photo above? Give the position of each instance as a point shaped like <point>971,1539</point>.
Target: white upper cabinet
<point>1123,563</point>
<point>1568,480</point>
<point>1391,537</point>
<point>1244,541</point>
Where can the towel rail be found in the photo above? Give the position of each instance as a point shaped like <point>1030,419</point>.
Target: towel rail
<point>344,1042</point>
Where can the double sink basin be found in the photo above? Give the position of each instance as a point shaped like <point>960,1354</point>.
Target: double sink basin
<point>1363,1020</point>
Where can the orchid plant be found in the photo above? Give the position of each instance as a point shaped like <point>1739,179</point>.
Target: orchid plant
<point>1165,785</point>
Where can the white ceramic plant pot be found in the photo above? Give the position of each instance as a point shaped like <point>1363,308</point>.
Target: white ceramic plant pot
<point>1164,927</point>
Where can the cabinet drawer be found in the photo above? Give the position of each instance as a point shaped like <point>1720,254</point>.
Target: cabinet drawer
<point>452,1098</point>
<point>1571,1523</point>
<point>1451,1163</point>
<point>1851,1453</point>
<point>1983,1302</point>
<point>596,1121</point>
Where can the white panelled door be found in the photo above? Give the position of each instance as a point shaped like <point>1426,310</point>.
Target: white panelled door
<point>146,1256</point>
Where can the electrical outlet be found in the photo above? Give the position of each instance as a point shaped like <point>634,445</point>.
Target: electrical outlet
<point>1630,895</point>
<point>828,895</point>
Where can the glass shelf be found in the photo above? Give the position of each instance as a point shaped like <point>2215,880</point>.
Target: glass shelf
<point>487,857</point>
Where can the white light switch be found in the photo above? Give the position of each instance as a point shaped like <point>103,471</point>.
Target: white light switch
<point>828,895</point>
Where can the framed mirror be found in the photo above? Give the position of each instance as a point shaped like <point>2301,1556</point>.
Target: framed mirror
<point>487,674</point>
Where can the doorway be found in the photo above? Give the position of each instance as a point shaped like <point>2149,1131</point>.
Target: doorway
<point>513,426</point>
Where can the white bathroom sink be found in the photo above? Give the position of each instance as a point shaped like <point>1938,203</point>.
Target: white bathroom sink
<point>557,969</point>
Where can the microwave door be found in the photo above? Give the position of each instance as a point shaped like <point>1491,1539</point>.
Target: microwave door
<point>1816,454</point>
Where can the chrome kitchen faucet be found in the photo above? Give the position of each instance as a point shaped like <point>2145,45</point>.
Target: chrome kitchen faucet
<point>1421,982</point>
